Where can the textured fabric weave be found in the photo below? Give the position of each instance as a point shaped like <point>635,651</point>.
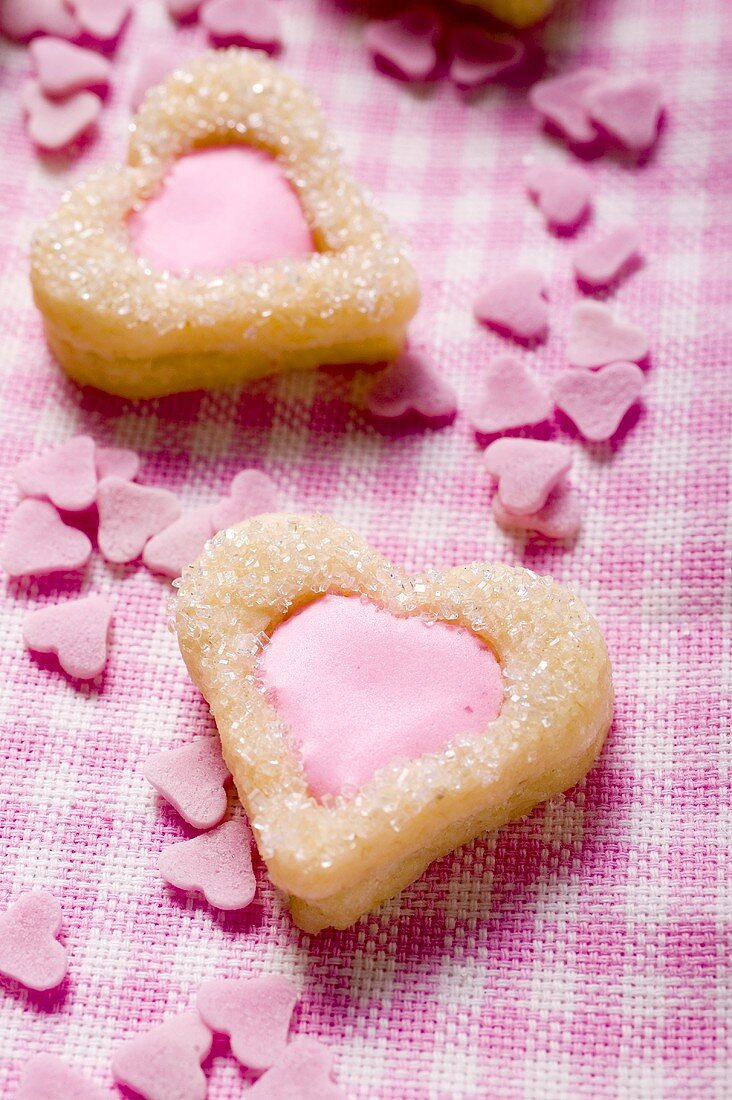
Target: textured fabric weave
<point>584,952</point>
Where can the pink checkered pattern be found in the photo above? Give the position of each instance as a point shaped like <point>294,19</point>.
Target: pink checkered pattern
<point>584,952</point>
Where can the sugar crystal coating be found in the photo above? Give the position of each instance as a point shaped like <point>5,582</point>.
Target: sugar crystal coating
<point>339,858</point>
<point>115,323</point>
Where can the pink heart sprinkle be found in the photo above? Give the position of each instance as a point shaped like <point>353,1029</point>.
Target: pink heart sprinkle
<point>179,544</point>
<point>627,108</point>
<point>411,385</point>
<point>600,263</point>
<point>304,1073</point>
<point>515,305</point>
<point>559,100</point>
<point>38,542</point>
<point>67,476</point>
<point>596,337</point>
<point>46,1077</point>
<point>479,57</point>
<point>597,401</point>
<point>192,779</point>
<point>254,1012</point>
<point>526,470</point>
<point>29,951</point>
<point>251,494</point>
<point>153,69</point>
<point>117,462</point>
<point>165,1063</point>
<point>183,9</point>
<point>562,193</point>
<point>129,515</point>
<point>560,518</point>
<point>406,47</point>
<point>76,632</point>
<point>216,864</point>
<point>62,68</point>
<point>253,23</point>
<point>54,124</point>
<point>512,398</point>
<point>22,19</point>
<point>102,19</point>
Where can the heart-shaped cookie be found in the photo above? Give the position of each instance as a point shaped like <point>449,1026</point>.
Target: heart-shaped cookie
<point>103,20</point>
<point>304,1071</point>
<point>526,471</point>
<point>217,864</point>
<point>191,778</point>
<point>340,855</point>
<point>115,322</point>
<point>67,475</point>
<point>512,397</point>
<point>23,19</point>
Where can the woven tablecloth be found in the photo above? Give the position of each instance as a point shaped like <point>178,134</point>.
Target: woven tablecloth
<point>585,951</point>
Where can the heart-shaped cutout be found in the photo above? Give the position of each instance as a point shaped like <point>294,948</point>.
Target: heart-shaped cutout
<point>76,632</point>
<point>411,385</point>
<point>254,1012</point>
<point>251,493</point>
<point>526,470</point>
<point>559,100</point>
<point>406,47</point>
<point>415,682</point>
<point>479,57</point>
<point>165,1063</point>
<point>29,950</point>
<point>103,20</point>
<point>46,1077</point>
<point>38,542</point>
<point>62,68</point>
<point>129,515</point>
<point>304,1071</point>
<point>598,401</point>
<point>253,23</point>
<point>217,864</point>
<point>192,779</point>
<point>560,518</point>
<point>562,193</point>
<point>176,546</point>
<point>67,475</point>
<point>54,124</point>
<point>596,337</point>
<point>601,263</point>
<point>515,305</point>
<point>339,857</point>
<point>146,334</point>
<point>627,108</point>
<point>512,398</point>
<point>23,19</point>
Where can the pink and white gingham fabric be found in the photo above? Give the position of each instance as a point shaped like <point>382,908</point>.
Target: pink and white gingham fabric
<point>584,952</point>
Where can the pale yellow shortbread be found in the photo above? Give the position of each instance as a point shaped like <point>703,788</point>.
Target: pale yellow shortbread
<point>339,860</point>
<point>114,323</point>
<point>519,13</point>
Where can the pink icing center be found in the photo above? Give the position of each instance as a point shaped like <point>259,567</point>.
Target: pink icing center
<point>218,208</point>
<point>359,688</point>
